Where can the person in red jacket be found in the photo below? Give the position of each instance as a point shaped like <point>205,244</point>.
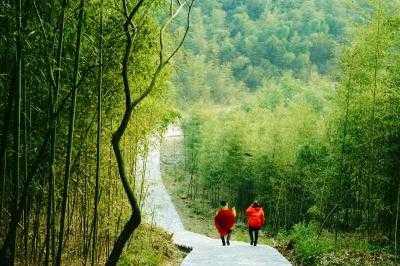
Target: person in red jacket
<point>224,221</point>
<point>255,220</point>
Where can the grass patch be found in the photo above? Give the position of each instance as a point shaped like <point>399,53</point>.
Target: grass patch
<point>303,246</point>
<point>152,246</point>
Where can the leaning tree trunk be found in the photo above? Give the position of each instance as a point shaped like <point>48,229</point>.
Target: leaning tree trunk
<point>135,218</point>
<point>130,105</point>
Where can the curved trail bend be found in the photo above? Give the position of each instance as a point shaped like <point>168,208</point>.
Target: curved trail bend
<point>205,250</point>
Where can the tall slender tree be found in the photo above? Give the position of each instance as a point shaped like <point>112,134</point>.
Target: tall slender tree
<point>71,128</point>
<point>98,137</point>
<point>53,93</point>
<point>7,253</point>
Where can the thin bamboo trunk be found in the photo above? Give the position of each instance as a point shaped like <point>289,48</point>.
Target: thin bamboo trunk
<point>25,167</point>
<point>396,224</point>
<point>98,148</point>
<point>3,187</point>
<point>10,97</point>
<point>50,226</point>
<point>7,253</point>
<point>36,226</point>
<point>70,135</point>
<point>109,194</point>
<point>373,118</point>
<point>5,142</point>
<point>84,213</point>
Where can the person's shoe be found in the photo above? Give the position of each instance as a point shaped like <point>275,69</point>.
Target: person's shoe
<point>255,244</point>
<point>251,243</point>
<point>228,243</point>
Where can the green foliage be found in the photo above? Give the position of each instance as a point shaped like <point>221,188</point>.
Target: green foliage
<point>312,141</point>
<point>151,246</point>
<point>305,244</point>
<point>41,22</point>
<point>309,247</point>
<point>364,126</point>
<point>268,147</point>
<point>239,45</point>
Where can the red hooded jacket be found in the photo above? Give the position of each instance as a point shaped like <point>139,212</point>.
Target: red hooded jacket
<point>224,221</point>
<point>255,217</point>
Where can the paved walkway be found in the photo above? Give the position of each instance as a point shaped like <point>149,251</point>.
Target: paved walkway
<point>205,251</point>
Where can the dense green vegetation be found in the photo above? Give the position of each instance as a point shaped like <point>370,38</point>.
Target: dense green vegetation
<point>291,102</point>
<point>240,45</point>
<point>82,85</point>
<point>152,246</point>
<point>296,104</point>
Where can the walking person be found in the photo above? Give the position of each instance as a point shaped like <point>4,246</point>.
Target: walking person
<point>224,221</point>
<point>255,220</point>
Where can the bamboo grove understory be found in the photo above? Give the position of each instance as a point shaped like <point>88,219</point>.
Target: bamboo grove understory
<point>83,86</point>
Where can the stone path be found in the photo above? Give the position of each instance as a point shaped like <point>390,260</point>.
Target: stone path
<point>205,251</point>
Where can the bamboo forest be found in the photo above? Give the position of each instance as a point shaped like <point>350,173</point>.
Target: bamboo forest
<point>126,126</point>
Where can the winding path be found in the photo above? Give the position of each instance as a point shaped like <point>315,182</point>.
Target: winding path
<point>205,250</point>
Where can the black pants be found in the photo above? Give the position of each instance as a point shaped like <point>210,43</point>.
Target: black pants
<point>225,239</point>
<point>253,232</point>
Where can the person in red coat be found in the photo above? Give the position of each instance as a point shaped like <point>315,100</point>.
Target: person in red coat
<point>255,220</point>
<point>224,221</point>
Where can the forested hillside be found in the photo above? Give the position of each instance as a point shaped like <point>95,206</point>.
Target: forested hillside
<point>296,104</point>
<point>242,44</point>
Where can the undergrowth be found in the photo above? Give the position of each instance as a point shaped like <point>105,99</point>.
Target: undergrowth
<point>151,246</point>
<point>302,245</point>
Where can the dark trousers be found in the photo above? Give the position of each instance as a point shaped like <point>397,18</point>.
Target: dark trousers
<point>225,239</point>
<point>253,232</point>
